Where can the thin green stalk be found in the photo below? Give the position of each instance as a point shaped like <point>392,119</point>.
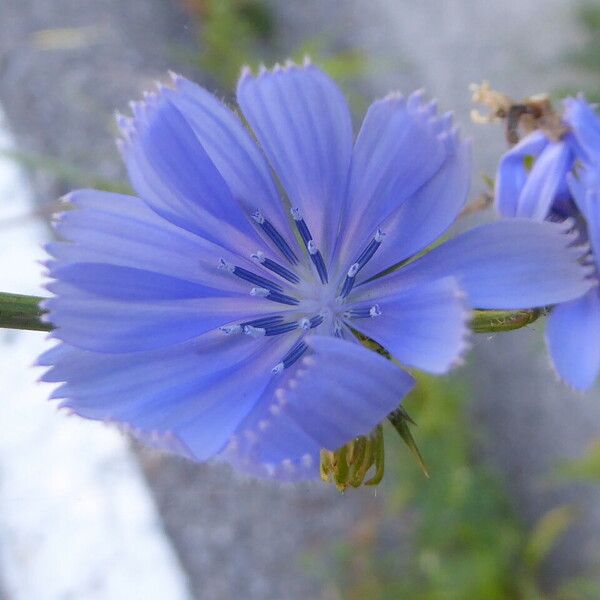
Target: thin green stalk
<point>22,312</point>
<point>496,321</point>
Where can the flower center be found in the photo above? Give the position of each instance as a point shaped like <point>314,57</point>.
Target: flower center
<point>318,301</point>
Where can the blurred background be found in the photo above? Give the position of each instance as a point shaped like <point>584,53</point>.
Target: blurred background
<point>512,506</point>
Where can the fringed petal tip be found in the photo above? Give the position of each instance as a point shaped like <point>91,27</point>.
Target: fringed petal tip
<point>567,225</point>
<point>567,231</point>
<point>176,78</point>
<point>49,357</point>
<point>415,100</point>
<point>428,109</point>
<point>45,318</point>
<point>52,286</point>
<point>578,251</point>
<point>48,276</point>
<point>247,73</point>
<point>425,110</point>
<point>54,250</point>
<point>464,343</point>
<point>80,198</point>
<point>180,83</point>
<point>305,468</point>
<point>466,340</point>
<point>55,221</point>
<point>165,441</point>
<point>124,124</point>
<point>578,390</point>
<point>47,304</point>
<point>396,98</point>
<point>589,268</point>
<point>142,111</point>
<point>60,393</point>
<point>452,141</point>
<point>46,265</point>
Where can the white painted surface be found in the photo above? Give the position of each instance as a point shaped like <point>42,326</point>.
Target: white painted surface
<point>76,519</point>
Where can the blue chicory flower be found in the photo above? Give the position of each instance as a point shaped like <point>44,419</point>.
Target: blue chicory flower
<point>213,314</point>
<point>531,180</point>
<point>563,183</point>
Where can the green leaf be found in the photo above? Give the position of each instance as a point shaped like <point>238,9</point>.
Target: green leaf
<point>546,533</point>
<point>400,419</point>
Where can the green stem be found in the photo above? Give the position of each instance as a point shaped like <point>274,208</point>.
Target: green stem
<point>22,312</point>
<point>496,321</point>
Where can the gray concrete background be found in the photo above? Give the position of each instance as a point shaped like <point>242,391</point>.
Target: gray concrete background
<point>237,538</point>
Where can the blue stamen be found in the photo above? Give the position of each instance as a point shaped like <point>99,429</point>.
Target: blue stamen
<point>274,296</point>
<point>282,328</point>
<point>301,225</point>
<point>338,329</point>
<point>264,322</point>
<point>318,261</point>
<point>365,256</point>
<point>363,313</point>
<point>349,281</point>
<point>282,298</point>
<point>368,252</point>
<point>275,236</point>
<point>280,270</point>
<point>249,276</point>
<point>271,326</point>
<point>316,321</point>
<point>256,279</point>
<point>309,243</point>
<point>347,286</point>
<point>275,267</point>
<point>295,352</point>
